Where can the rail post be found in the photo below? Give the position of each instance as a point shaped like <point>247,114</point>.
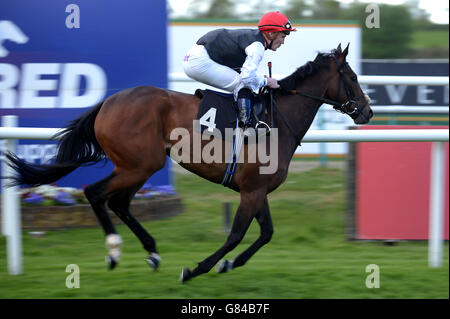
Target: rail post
<point>435,239</point>
<point>227,217</point>
<point>11,222</point>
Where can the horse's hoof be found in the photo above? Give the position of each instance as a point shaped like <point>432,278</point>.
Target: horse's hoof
<point>111,262</point>
<point>153,261</point>
<point>185,275</point>
<point>224,266</point>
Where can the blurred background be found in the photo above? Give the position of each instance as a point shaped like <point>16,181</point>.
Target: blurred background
<point>343,207</point>
<point>411,29</point>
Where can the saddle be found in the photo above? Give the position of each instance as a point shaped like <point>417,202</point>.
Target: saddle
<point>218,111</point>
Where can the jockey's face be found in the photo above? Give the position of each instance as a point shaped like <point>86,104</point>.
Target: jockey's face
<point>277,39</point>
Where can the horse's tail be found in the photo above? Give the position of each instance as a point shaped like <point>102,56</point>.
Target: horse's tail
<point>78,145</point>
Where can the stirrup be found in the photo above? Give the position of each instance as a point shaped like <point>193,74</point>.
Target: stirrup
<point>265,126</point>
<point>264,130</point>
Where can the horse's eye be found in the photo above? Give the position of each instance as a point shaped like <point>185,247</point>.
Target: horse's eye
<point>354,78</point>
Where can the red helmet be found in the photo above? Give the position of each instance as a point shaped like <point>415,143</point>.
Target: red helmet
<point>275,22</point>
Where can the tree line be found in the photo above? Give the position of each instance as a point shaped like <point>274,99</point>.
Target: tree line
<point>394,38</point>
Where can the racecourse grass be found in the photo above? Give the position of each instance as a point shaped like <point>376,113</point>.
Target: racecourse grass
<point>308,257</point>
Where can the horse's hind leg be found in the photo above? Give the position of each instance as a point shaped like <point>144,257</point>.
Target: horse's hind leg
<point>118,189</point>
<point>127,184</point>
<point>95,193</point>
<point>120,204</point>
<point>265,223</point>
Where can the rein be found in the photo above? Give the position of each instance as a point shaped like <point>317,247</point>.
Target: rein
<point>345,108</point>
<point>297,138</point>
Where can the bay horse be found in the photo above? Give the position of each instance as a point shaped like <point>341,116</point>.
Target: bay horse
<point>133,129</point>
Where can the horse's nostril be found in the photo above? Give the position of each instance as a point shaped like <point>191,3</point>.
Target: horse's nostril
<point>370,113</point>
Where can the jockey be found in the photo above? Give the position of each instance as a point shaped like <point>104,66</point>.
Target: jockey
<point>228,59</point>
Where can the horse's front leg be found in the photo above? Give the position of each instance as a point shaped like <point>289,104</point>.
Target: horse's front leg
<point>265,223</point>
<point>250,204</point>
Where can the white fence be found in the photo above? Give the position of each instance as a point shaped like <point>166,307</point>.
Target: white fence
<point>11,224</point>
<point>409,109</point>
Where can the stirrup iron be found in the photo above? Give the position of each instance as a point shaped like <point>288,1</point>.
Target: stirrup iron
<point>264,125</point>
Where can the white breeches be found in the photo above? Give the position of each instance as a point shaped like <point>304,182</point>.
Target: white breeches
<point>200,67</point>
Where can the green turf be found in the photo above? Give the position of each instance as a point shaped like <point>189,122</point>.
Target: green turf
<point>308,256</point>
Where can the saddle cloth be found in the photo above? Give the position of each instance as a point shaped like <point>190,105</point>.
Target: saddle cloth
<point>218,111</point>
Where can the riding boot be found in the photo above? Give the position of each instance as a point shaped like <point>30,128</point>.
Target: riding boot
<point>245,107</point>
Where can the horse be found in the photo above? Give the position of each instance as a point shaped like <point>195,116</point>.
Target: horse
<point>133,129</point>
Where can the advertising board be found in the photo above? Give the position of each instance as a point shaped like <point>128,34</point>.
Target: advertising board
<point>59,58</point>
<point>389,188</point>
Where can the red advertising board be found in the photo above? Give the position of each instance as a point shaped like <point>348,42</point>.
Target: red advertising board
<point>392,188</point>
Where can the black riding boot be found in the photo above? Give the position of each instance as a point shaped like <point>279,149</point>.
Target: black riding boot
<point>244,106</point>
<point>244,103</point>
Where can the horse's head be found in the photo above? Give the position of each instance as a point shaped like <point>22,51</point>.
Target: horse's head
<point>343,87</point>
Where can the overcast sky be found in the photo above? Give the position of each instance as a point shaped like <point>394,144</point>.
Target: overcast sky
<point>438,9</point>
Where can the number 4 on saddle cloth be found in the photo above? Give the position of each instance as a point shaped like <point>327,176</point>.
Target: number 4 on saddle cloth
<point>218,111</point>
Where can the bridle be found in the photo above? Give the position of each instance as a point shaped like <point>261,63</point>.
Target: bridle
<point>349,107</point>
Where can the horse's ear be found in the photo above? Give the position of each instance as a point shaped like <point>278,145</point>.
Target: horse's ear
<point>346,51</point>
<point>339,49</point>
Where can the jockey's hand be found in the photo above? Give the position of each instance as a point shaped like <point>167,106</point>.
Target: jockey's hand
<point>272,83</point>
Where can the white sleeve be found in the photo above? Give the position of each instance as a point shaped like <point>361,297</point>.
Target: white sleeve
<point>255,53</point>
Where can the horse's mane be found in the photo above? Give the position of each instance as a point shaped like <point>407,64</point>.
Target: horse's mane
<point>309,68</point>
